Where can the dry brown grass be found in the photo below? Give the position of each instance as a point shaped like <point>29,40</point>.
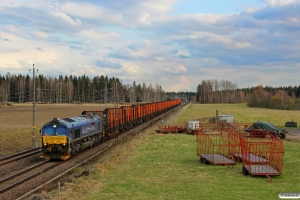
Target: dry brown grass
<point>16,122</point>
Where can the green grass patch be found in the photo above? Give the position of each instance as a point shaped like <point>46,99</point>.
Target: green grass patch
<point>167,167</point>
<point>241,114</point>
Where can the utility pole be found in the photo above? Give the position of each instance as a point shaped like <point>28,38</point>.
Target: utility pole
<point>105,94</point>
<point>117,96</point>
<point>34,144</point>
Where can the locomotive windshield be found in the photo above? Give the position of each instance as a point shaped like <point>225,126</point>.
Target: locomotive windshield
<point>54,130</point>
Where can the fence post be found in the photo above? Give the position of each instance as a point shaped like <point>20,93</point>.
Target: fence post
<point>58,190</point>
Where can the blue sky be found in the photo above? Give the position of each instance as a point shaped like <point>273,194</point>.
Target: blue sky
<point>173,43</point>
<point>214,6</point>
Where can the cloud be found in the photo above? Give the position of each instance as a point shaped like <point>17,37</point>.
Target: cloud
<point>139,50</point>
<point>97,34</point>
<point>131,69</point>
<point>75,47</point>
<point>209,61</point>
<point>5,39</point>
<point>96,13</point>
<point>67,18</point>
<point>41,35</point>
<point>160,59</point>
<point>271,2</point>
<point>144,41</point>
<point>279,2</point>
<point>181,83</point>
<point>176,69</point>
<point>107,64</point>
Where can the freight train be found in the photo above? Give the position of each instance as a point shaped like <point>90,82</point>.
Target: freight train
<point>62,138</point>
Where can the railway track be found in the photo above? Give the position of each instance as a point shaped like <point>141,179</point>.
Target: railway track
<point>22,184</point>
<point>15,157</point>
<point>21,176</point>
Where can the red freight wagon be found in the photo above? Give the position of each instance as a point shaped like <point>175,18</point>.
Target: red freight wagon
<point>117,120</point>
<point>127,113</point>
<point>114,118</point>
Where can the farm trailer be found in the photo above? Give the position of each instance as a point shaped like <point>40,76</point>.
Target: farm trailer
<point>217,149</point>
<point>262,156</point>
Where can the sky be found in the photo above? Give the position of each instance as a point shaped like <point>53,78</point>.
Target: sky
<point>172,43</point>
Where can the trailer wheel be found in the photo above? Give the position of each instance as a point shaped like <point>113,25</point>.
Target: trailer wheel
<point>201,159</point>
<point>204,161</point>
<point>282,136</point>
<point>245,171</point>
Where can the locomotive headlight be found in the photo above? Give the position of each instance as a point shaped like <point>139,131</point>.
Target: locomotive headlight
<point>54,126</point>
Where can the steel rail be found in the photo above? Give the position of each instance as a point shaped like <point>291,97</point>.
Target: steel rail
<point>27,177</point>
<point>22,172</point>
<point>17,156</point>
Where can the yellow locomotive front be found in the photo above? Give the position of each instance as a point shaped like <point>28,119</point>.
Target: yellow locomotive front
<point>55,141</point>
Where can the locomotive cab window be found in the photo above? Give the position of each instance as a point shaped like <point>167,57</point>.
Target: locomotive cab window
<point>54,130</point>
<point>77,133</point>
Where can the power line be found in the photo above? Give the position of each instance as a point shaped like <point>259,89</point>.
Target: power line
<point>55,71</point>
<point>17,64</point>
<point>13,69</point>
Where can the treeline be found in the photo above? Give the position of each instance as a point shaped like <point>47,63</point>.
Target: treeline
<point>184,96</point>
<point>67,89</point>
<point>223,91</point>
<point>275,98</point>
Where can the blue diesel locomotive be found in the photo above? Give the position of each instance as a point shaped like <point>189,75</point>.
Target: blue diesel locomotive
<point>62,138</point>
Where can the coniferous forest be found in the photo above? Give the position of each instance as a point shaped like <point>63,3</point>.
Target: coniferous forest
<point>100,89</point>
<point>68,89</point>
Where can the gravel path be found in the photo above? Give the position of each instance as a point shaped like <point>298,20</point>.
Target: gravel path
<point>293,133</point>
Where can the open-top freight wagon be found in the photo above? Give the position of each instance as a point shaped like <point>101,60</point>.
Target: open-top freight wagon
<point>118,120</point>
<point>262,155</point>
<point>62,138</point>
<point>217,149</point>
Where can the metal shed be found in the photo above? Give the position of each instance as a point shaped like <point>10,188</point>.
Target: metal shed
<point>226,117</point>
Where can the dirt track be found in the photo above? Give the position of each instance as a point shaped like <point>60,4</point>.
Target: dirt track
<point>293,133</point>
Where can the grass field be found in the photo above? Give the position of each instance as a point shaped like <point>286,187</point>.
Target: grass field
<point>241,114</point>
<point>165,166</point>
